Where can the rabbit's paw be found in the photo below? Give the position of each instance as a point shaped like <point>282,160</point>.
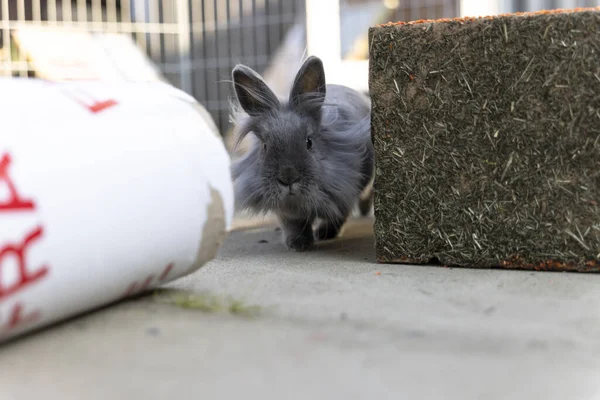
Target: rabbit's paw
<point>327,231</point>
<point>301,242</point>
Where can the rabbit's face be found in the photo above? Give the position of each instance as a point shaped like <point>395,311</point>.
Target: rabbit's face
<point>289,151</point>
<point>282,169</point>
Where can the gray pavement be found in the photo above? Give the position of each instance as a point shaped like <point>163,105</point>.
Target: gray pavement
<point>332,324</point>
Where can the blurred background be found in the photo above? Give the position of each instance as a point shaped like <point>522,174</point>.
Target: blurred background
<point>194,44</point>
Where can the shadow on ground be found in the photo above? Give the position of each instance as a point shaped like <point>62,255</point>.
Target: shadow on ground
<point>263,237</point>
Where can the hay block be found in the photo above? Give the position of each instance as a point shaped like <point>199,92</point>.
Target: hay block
<point>487,138</point>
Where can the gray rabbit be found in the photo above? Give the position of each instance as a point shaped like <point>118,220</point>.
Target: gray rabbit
<point>313,157</point>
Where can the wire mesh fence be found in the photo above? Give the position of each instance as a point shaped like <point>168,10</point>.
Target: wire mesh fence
<point>225,33</point>
<point>194,43</point>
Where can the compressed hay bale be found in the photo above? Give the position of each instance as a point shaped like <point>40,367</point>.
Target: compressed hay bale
<point>487,138</point>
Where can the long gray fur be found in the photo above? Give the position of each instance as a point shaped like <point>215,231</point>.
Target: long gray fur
<point>313,156</point>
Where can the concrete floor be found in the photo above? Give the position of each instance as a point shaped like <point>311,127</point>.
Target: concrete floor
<point>332,325</point>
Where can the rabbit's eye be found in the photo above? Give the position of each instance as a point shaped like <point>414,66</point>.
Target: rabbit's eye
<point>264,146</point>
<point>308,143</point>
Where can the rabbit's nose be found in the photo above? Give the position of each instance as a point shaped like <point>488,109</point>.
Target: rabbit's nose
<point>288,176</point>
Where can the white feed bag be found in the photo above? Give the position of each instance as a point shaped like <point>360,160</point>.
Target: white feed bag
<point>106,190</point>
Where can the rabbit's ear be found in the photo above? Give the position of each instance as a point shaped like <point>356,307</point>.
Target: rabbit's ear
<point>252,92</point>
<point>309,85</point>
